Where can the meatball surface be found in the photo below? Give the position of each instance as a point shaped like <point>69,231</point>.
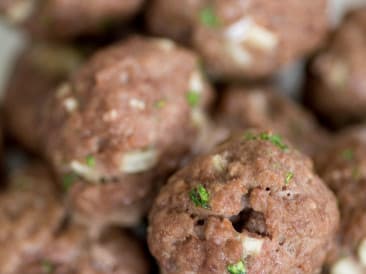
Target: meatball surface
<point>252,205</point>
<point>342,166</point>
<point>38,70</point>
<point>263,107</point>
<point>30,213</point>
<point>336,86</point>
<point>67,19</point>
<point>124,121</point>
<point>34,238</point>
<point>239,39</point>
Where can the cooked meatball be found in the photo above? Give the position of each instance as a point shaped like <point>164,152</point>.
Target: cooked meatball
<point>33,239</point>
<point>342,165</point>
<point>38,70</point>
<point>252,205</point>
<point>336,88</point>
<point>263,107</point>
<point>124,121</point>
<point>30,213</point>
<point>71,252</point>
<point>66,19</point>
<point>239,39</point>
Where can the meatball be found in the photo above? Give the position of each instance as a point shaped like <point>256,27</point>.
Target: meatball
<point>67,19</point>
<point>239,39</point>
<point>38,70</point>
<point>252,205</point>
<point>336,88</point>
<point>342,165</point>
<point>30,213</point>
<point>124,122</point>
<point>34,239</point>
<point>72,253</point>
<point>263,107</point>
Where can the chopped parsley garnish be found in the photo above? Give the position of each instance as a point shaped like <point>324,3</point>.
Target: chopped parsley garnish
<point>200,196</point>
<point>68,180</point>
<point>160,104</point>
<point>90,161</point>
<point>289,176</point>
<point>274,139</point>
<point>348,154</point>
<point>238,268</point>
<point>47,267</point>
<point>209,18</point>
<point>193,98</point>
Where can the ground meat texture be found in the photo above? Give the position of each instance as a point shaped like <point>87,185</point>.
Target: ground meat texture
<point>239,39</point>
<point>252,205</point>
<point>261,106</point>
<point>116,252</point>
<point>336,86</point>
<point>30,213</point>
<point>38,70</point>
<point>66,19</point>
<point>342,165</point>
<point>126,119</point>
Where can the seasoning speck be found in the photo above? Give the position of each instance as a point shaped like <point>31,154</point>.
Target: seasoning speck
<point>348,154</point>
<point>90,161</point>
<point>274,139</point>
<point>209,18</point>
<point>289,176</point>
<point>200,196</point>
<point>68,180</point>
<point>238,268</point>
<point>193,98</point>
<point>160,104</point>
<point>47,267</point>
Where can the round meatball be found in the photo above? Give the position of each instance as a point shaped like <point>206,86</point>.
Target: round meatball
<point>125,121</point>
<point>239,39</point>
<point>263,107</point>
<point>252,205</point>
<point>30,213</point>
<point>34,239</point>
<point>336,88</point>
<point>342,165</point>
<point>72,253</point>
<point>67,19</point>
<point>38,70</point>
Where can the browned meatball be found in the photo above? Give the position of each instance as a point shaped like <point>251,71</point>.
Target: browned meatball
<point>253,204</point>
<point>30,213</point>
<point>38,70</point>
<point>342,165</point>
<point>263,107</point>
<point>65,19</point>
<point>33,239</point>
<point>71,252</point>
<point>125,120</point>
<point>337,86</point>
<point>238,38</point>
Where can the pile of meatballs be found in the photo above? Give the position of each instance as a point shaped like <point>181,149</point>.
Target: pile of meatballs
<point>145,137</point>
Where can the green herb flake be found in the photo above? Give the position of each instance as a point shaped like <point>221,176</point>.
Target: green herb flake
<point>193,98</point>
<point>274,139</point>
<point>47,267</point>
<point>289,176</point>
<point>238,268</point>
<point>90,161</point>
<point>68,180</point>
<point>249,136</point>
<point>209,18</point>
<point>348,154</point>
<point>200,196</point>
<point>356,174</point>
<point>160,104</point>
